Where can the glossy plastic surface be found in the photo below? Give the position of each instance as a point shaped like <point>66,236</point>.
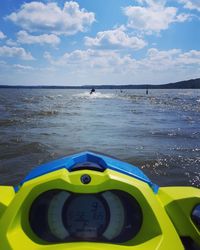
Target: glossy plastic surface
<point>104,162</point>
<point>166,215</point>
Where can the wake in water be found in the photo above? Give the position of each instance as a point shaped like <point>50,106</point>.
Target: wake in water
<point>95,95</point>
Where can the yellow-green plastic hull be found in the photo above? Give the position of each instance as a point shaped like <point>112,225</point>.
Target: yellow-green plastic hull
<point>166,214</point>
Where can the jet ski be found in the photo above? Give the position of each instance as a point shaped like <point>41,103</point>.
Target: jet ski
<point>92,91</point>
<point>90,201</point>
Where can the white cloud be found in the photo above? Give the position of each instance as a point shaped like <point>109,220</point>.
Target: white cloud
<point>157,55</point>
<point>2,36</point>
<point>19,52</point>
<point>11,43</point>
<point>155,59</point>
<point>167,66</point>
<point>50,18</point>
<point>191,4</point>
<point>25,38</point>
<point>151,2</point>
<point>183,17</point>
<point>153,17</point>
<point>191,57</point>
<point>107,60</point>
<point>115,38</point>
<point>109,66</point>
<point>22,67</point>
<point>155,67</point>
<point>170,60</point>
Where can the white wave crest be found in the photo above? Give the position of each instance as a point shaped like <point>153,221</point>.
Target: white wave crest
<point>95,95</point>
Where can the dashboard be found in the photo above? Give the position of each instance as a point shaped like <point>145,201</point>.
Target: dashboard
<point>58,216</point>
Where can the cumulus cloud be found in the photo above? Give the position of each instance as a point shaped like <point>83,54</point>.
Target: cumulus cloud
<point>157,60</point>
<point>159,66</point>
<point>107,60</point>
<point>154,63</point>
<point>162,66</point>
<point>115,38</point>
<point>191,57</point>
<point>2,36</point>
<point>191,4</point>
<point>19,52</point>
<point>50,18</point>
<point>174,59</point>
<point>152,16</point>
<point>25,38</point>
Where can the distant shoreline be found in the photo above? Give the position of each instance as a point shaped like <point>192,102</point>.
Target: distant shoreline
<point>188,84</point>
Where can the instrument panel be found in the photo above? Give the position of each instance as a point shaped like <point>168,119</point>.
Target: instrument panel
<point>60,216</point>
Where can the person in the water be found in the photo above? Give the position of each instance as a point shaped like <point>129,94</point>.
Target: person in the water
<point>92,91</point>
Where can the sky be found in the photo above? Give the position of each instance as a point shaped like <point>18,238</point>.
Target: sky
<point>78,42</point>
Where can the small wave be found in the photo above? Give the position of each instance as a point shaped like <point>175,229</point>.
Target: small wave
<point>27,99</point>
<point>175,134</point>
<point>164,134</point>
<point>53,97</point>
<point>32,99</point>
<point>28,114</point>
<point>33,147</point>
<point>8,122</point>
<point>42,113</point>
<point>12,150</point>
<point>183,149</point>
<point>46,113</point>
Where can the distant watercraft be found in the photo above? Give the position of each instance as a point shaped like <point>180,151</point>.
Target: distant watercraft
<point>92,91</point>
<point>147,90</point>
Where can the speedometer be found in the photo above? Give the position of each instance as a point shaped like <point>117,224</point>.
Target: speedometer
<point>62,216</point>
<point>86,216</point>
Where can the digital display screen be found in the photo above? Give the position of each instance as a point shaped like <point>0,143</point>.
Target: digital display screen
<point>61,216</point>
<point>85,217</point>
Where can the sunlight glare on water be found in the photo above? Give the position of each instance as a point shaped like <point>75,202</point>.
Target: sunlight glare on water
<point>158,132</point>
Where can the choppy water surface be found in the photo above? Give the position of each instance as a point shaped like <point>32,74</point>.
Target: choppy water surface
<point>160,132</point>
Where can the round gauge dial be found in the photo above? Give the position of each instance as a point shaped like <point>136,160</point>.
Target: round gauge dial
<point>54,215</point>
<point>61,216</point>
<point>117,215</point>
<point>85,216</point>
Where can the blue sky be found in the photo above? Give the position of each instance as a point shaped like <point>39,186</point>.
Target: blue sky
<point>99,41</point>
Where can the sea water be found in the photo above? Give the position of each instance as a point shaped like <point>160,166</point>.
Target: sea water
<point>158,132</point>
